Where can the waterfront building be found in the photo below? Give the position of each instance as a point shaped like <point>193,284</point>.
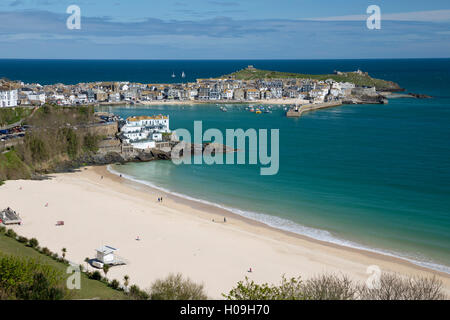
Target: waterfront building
<point>8,98</point>
<point>145,131</point>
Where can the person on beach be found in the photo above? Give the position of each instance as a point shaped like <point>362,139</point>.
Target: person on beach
<point>224,219</point>
<point>46,205</point>
<point>250,270</point>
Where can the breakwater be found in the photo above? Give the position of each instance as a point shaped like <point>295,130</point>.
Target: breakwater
<point>296,111</point>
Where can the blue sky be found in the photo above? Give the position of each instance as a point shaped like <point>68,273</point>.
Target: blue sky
<point>210,29</point>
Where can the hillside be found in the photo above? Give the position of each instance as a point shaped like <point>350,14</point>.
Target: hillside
<point>10,116</point>
<point>90,289</point>
<point>55,137</point>
<point>359,79</point>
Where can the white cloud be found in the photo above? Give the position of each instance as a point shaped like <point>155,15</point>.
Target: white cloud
<point>419,16</point>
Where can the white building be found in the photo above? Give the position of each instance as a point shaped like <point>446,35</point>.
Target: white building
<point>105,254</point>
<point>36,97</point>
<point>8,98</point>
<point>143,132</point>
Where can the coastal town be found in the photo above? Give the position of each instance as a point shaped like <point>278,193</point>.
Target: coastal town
<point>225,89</point>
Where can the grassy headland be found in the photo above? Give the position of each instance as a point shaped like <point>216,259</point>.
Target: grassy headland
<point>359,79</point>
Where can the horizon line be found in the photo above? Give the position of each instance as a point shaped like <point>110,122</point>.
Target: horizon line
<point>215,59</point>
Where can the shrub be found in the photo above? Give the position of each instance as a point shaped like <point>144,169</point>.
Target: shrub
<point>392,286</point>
<point>96,275</point>
<point>174,287</point>
<point>333,287</point>
<point>2,229</point>
<point>29,279</point>
<point>329,287</point>
<point>289,289</point>
<point>10,233</point>
<point>40,289</point>
<point>90,142</point>
<point>22,239</point>
<point>137,294</point>
<point>33,243</point>
<point>114,284</point>
<point>46,251</point>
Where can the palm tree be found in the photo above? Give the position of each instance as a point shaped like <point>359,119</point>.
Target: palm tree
<point>126,282</point>
<point>106,269</point>
<point>64,250</point>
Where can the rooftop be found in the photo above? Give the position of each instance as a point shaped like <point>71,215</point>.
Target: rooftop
<point>139,118</point>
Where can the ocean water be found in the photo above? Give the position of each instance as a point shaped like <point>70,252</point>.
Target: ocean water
<point>368,176</point>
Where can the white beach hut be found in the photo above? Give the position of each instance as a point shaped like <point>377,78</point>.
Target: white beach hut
<point>105,254</point>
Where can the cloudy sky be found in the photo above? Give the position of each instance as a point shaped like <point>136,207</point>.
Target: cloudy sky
<point>222,29</point>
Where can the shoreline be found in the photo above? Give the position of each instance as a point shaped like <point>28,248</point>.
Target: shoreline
<point>205,205</point>
<point>200,102</point>
<point>178,235</point>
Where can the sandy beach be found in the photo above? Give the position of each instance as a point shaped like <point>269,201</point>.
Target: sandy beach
<point>176,235</point>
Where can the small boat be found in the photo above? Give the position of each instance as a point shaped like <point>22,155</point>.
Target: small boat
<point>223,109</point>
<point>258,111</point>
<point>252,110</point>
<point>173,75</point>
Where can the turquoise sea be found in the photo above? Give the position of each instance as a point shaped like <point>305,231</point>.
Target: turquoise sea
<point>368,176</point>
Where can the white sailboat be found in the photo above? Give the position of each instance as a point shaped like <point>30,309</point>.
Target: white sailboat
<point>183,75</point>
<point>173,75</point>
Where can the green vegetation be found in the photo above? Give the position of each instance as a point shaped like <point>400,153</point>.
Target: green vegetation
<point>357,79</point>
<point>53,269</point>
<point>58,134</point>
<point>175,287</point>
<point>26,278</point>
<point>12,167</point>
<point>12,115</point>
<point>332,287</point>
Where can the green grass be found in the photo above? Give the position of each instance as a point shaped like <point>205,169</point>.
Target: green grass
<point>90,289</point>
<point>12,115</point>
<point>357,79</point>
<point>12,167</point>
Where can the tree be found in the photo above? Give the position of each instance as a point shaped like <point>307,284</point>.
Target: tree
<point>96,275</point>
<point>329,287</point>
<point>175,287</point>
<point>288,289</point>
<point>33,243</point>
<point>137,294</point>
<point>40,289</point>
<point>126,282</point>
<point>115,284</point>
<point>106,268</point>
<point>10,233</point>
<point>395,287</point>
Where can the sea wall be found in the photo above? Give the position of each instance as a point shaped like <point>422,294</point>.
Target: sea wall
<point>298,111</point>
